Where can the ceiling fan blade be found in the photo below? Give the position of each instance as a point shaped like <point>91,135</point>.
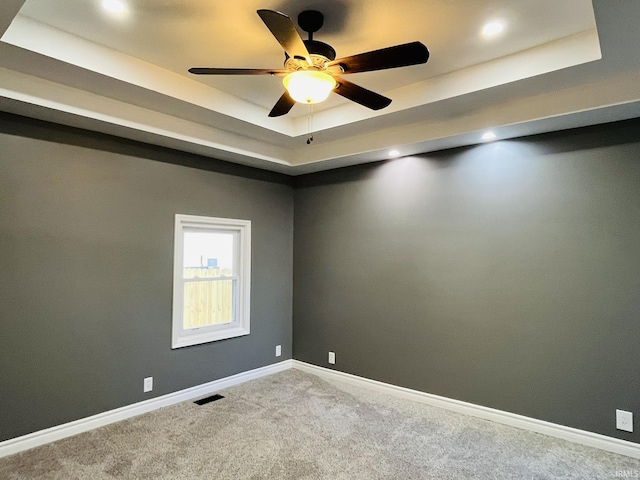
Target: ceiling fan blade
<point>361,95</point>
<point>285,32</point>
<point>236,71</point>
<point>390,57</point>
<point>282,106</point>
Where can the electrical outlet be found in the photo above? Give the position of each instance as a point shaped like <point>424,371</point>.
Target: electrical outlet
<point>332,358</point>
<point>278,350</point>
<point>148,384</point>
<point>624,420</point>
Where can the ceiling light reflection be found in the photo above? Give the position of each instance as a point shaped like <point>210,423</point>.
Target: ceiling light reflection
<point>492,29</point>
<point>488,136</point>
<point>114,6</point>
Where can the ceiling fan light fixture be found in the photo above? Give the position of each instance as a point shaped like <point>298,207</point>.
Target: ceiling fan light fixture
<point>309,86</point>
<point>310,65</point>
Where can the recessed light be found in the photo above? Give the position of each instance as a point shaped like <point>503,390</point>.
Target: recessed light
<point>488,136</point>
<point>114,6</point>
<point>394,153</point>
<point>492,29</point>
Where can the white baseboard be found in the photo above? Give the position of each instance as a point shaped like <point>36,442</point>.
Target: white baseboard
<point>590,439</point>
<point>19,444</point>
<point>602,442</point>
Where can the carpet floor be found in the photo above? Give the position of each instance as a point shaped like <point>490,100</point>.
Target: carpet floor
<point>293,425</point>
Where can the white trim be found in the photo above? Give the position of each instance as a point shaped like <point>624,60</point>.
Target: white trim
<point>582,437</point>
<point>25,442</point>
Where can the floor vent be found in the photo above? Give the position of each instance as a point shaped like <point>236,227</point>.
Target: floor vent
<point>210,399</point>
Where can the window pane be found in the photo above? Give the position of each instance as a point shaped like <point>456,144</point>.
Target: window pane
<point>208,303</point>
<point>208,254</point>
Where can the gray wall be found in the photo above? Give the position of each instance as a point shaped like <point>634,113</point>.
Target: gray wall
<point>86,247</point>
<point>506,274</point>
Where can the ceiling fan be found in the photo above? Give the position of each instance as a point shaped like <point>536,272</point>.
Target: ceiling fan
<point>311,71</point>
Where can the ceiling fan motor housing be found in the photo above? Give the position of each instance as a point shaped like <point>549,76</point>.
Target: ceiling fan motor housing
<point>320,53</point>
<point>311,21</point>
<point>320,48</point>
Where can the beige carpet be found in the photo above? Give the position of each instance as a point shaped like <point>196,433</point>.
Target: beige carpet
<point>293,425</point>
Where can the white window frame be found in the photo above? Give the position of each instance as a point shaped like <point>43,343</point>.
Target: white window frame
<point>240,325</point>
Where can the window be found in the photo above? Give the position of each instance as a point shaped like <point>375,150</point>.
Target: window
<point>211,279</point>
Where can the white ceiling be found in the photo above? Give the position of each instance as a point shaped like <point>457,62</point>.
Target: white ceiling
<point>559,64</point>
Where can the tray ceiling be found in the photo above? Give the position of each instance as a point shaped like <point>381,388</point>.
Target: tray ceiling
<point>556,65</point>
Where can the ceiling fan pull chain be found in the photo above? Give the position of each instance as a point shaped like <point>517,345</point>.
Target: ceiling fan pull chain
<point>310,123</point>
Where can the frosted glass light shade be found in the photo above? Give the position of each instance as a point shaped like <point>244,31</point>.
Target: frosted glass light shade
<point>309,86</point>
